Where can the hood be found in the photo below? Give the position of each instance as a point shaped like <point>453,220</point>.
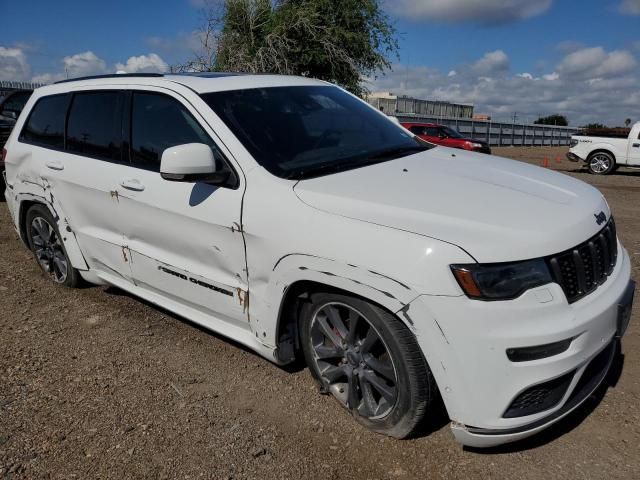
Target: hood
<point>496,209</point>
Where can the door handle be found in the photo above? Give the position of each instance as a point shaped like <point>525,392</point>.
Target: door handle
<point>636,145</point>
<point>132,184</point>
<point>55,165</point>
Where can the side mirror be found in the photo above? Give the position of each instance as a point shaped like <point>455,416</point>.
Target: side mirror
<point>9,114</point>
<point>191,162</point>
<point>441,136</point>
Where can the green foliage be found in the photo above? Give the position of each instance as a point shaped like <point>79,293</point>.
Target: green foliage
<point>555,119</point>
<point>594,126</point>
<point>341,41</point>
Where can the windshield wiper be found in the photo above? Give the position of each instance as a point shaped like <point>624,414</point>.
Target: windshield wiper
<point>335,167</point>
<point>397,152</point>
<point>304,173</point>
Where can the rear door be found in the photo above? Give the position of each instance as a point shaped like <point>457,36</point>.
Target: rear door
<point>634,148</point>
<point>81,167</point>
<point>184,238</point>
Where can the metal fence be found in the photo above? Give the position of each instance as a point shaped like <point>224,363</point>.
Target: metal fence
<point>501,133</point>
<point>7,86</point>
<point>415,106</point>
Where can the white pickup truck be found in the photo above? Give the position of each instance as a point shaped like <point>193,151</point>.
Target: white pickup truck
<point>604,153</point>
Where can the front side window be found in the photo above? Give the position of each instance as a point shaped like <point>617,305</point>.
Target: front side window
<point>94,127</point>
<point>159,122</point>
<point>45,126</point>
<point>451,133</point>
<point>306,131</point>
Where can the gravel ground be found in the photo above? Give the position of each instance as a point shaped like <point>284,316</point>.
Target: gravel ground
<point>97,384</point>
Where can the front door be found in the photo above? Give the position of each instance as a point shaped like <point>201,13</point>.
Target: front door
<point>184,239</point>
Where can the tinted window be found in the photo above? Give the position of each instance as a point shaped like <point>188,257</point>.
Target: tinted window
<point>450,132</point>
<point>15,102</point>
<point>157,123</point>
<point>417,130</point>
<point>94,127</point>
<point>46,123</point>
<point>432,131</point>
<point>303,131</point>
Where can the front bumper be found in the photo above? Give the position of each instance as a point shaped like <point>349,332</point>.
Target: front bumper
<point>479,382</point>
<point>573,157</point>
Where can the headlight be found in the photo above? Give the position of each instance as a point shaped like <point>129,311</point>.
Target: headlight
<point>501,281</point>
<point>573,142</point>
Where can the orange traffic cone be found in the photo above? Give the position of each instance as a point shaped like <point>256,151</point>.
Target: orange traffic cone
<point>558,159</point>
<point>545,162</point>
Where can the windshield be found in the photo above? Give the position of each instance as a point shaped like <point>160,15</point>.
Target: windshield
<point>451,133</point>
<point>307,131</point>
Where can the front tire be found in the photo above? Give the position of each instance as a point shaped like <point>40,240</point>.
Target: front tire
<point>601,163</point>
<point>369,361</point>
<point>47,247</point>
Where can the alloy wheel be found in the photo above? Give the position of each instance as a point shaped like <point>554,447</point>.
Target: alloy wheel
<point>48,249</point>
<point>600,163</point>
<point>353,360</point>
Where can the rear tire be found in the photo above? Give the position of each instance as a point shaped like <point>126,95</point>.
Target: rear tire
<point>369,361</point>
<point>46,244</point>
<point>601,163</point>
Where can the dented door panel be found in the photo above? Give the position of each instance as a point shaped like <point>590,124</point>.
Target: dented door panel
<point>87,203</point>
<point>184,242</point>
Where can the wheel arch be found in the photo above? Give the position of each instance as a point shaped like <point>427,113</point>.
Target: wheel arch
<point>305,275</point>
<point>602,150</point>
<point>25,203</point>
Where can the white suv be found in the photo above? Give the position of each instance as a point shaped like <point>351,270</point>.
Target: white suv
<point>291,216</point>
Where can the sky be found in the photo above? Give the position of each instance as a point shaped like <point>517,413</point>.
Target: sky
<point>524,57</point>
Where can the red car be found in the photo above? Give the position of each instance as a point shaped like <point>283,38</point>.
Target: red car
<point>445,136</point>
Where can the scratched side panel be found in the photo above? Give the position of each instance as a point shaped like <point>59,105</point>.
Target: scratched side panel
<point>288,241</point>
<point>190,229</point>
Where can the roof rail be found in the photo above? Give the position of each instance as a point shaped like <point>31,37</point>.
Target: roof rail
<point>111,75</point>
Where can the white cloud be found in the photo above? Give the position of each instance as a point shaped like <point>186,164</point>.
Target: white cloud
<point>452,73</point>
<point>606,99</point>
<point>595,62</point>
<point>83,64</point>
<point>492,63</point>
<point>474,11</point>
<point>151,63</point>
<point>13,64</point>
<point>630,7</point>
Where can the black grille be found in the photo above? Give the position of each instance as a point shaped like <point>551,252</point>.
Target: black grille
<point>580,270</point>
<point>539,397</point>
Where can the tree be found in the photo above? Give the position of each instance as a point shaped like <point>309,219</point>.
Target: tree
<point>555,119</point>
<point>627,122</point>
<point>594,126</point>
<point>341,41</point>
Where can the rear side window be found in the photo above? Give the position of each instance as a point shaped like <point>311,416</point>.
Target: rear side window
<point>94,127</point>
<point>417,130</point>
<point>45,126</point>
<point>157,123</point>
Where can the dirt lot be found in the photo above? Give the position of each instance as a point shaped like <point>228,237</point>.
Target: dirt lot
<point>96,384</point>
